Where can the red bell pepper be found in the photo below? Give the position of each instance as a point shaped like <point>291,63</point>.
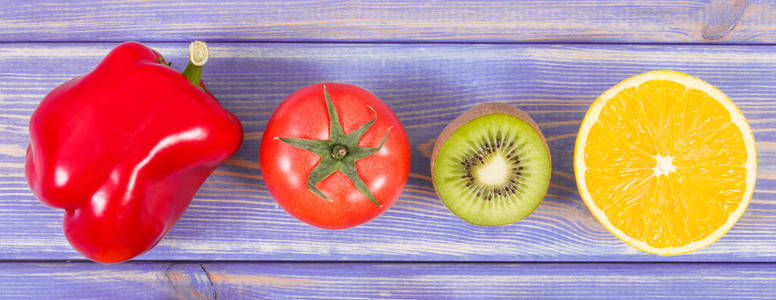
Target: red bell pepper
<point>124,148</point>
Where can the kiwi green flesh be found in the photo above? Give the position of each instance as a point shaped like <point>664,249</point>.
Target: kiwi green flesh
<point>493,170</point>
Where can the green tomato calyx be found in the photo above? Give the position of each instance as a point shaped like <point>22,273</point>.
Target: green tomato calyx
<point>339,153</point>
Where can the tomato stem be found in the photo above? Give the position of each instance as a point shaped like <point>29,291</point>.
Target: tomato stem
<point>339,152</point>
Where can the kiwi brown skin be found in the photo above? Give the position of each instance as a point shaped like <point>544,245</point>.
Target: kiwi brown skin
<point>480,110</point>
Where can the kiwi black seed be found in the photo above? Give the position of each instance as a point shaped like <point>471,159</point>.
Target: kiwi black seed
<point>491,165</point>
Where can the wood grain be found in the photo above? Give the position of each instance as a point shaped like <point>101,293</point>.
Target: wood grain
<point>233,217</point>
<point>157,280</point>
<point>609,21</point>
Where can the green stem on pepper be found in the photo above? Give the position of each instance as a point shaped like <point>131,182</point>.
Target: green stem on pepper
<point>198,55</point>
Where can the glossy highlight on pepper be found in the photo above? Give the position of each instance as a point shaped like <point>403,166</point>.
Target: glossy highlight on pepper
<point>124,148</point>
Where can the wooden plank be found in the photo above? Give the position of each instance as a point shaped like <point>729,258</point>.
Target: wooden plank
<point>385,280</point>
<point>233,217</point>
<point>609,21</point>
<point>94,281</point>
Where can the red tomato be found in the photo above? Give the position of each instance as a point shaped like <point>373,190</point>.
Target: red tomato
<point>337,176</point>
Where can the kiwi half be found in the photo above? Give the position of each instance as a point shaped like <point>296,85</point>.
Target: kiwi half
<point>491,165</point>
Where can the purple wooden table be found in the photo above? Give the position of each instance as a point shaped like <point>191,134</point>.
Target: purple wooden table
<point>429,62</point>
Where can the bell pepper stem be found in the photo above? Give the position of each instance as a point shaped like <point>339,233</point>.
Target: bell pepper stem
<point>198,55</point>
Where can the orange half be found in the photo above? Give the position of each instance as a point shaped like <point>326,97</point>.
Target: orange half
<point>666,162</point>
